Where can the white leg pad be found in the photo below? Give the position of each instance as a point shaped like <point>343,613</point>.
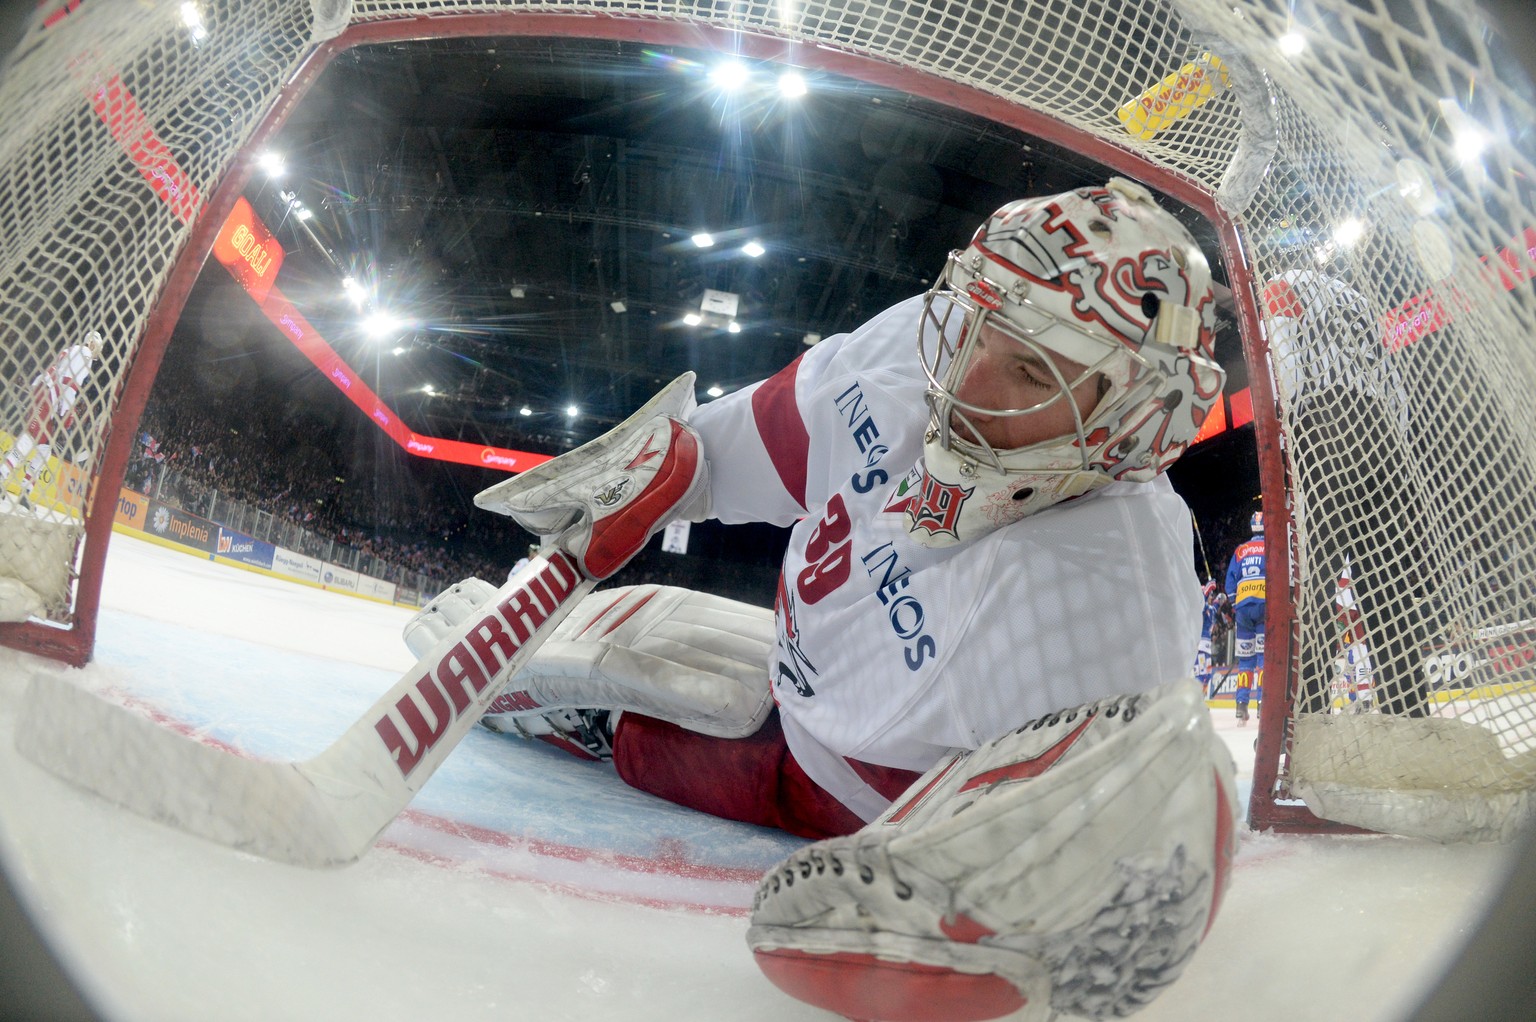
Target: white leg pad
<point>695,659</point>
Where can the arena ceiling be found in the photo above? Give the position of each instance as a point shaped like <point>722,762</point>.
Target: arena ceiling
<point>525,208</point>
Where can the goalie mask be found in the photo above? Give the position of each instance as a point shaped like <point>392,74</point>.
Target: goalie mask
<point>1104,301</point>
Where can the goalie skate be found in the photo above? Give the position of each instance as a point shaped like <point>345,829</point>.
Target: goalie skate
<point>1071,866</point>
<point>585,734</point>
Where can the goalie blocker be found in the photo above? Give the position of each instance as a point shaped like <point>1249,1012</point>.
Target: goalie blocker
<point>1070,867</point>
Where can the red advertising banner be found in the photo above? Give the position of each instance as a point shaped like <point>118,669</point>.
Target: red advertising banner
<point>130,127</point>
<point>302,335</point>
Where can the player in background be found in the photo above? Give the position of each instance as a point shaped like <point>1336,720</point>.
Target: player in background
<point>54,393</point>
<point>1355,669</point>
<point>1217,609</point>
<point>1245,589</point>
<point>987,606</point>
<point>1348,412</point>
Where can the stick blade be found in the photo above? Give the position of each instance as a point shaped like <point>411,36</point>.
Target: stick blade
<point>283,811</point>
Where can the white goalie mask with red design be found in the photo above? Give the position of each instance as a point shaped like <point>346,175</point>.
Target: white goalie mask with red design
<point>1097,278</point>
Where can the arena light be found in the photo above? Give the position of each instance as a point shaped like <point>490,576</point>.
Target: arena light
<point>1349,232</point>
<point>271,164</point>
<point>571,411</point>
<point>730,75</point>
<point>703,239</point>
<point>525,411</point>
<point>693,319</point>
<point>353,290</point>
<point>733,327</point>
<point>754,248</point>
<point>792,85</point>
<point>192,18</point>
<point>381,324</point>
<point>1469,140</point>
<point>715,391</point>
<point>1292,43</point>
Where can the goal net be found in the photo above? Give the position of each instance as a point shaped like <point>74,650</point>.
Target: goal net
<point>1366,164</point>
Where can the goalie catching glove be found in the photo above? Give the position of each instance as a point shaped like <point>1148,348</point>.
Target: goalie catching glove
<point>1071,866</point>
<point>602,501</point>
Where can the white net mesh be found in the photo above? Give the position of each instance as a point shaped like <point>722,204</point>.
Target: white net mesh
<point>1382,169</point>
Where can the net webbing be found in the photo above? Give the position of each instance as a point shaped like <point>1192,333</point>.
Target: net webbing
<point>1382,172</point>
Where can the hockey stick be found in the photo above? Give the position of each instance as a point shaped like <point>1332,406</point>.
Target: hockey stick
<point>323,811</point>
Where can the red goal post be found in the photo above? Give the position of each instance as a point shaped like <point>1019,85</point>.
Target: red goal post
<point>1371,144</point>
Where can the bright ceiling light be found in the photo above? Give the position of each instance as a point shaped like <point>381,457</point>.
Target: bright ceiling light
<point>427,389</point>
<point>571,411</point>
<point>354,291</point>
<point>1349,232</point>
<point>1468,138</point>
<point>734,327</point>
<point>730,75</point>
<point>1292,43</point>
<point>193,19</point>
<point>304,213</point>
<point>703,239</point>
<point>381,324</point>
<point>271,163</point>
<point>791,85</point>
<point>618,306</point>
<point>397,351</point>
<point>518,291</point>
<point>1469,143</point>
<point>715,391</point>
<point>693,319</point>
<point>525,411</point>
<point>754,248</point>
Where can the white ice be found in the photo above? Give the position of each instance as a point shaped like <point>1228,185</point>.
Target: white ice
<point>525,884</point>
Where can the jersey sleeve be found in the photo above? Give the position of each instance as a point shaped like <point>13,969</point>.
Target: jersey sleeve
<point>759,446</point>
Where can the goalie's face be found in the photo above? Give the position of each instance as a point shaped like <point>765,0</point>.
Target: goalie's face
<point>1014,395</point>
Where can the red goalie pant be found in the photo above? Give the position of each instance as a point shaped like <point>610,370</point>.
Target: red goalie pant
<point>754,779</point>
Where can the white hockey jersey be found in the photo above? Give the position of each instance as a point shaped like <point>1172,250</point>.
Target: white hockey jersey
<point>60,383</point>
<point>893,653</point>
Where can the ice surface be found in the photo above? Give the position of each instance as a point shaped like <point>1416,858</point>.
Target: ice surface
<point>523,883</point>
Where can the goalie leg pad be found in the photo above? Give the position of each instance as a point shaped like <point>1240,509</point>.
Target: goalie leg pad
<point>1077,861</point>
<point>690,658</point>
<point>697,660</point>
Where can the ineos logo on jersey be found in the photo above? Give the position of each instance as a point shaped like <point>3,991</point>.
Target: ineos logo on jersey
<point>861,425</point>
<point>905,613</point>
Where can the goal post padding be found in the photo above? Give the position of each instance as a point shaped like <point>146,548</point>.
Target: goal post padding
<point>1385,153</point>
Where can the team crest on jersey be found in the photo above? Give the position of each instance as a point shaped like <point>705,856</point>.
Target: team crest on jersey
<point>929,505</point>
<point>611,494</point>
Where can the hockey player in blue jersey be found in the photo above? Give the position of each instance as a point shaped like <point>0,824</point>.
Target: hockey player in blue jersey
<point>1245,588</point>
<point>1216,608</point>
